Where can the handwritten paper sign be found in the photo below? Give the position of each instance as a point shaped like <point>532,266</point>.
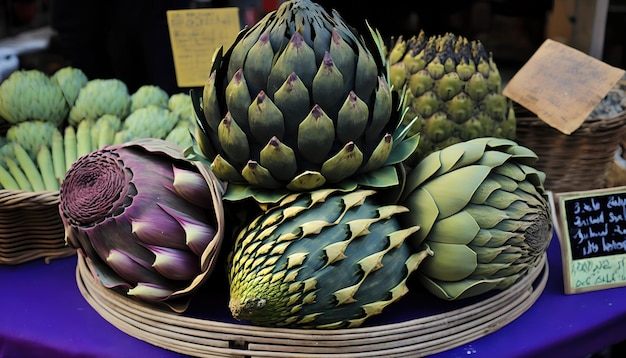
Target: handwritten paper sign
<point>562,85</point>
<point>593,238</point>
<point>195,34</point>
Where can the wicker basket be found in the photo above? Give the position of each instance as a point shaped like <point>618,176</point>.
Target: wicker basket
<point>30,227</point>
<point>413,337</point>
<point>579,161</point>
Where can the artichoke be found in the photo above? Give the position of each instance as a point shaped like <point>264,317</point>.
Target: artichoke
<point>148,222</point>
<point>31,95</point>
<point>149,95</point>
<point>320,259</point>
<point>482,211</point>
<point>32,135</point>
<point>99,97</point>
<point>71,80</point>
<point>299,100</point>
<point>149,122</point>
<point>453,87</point>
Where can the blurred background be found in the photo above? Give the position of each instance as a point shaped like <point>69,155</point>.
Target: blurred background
<point>129,39</point>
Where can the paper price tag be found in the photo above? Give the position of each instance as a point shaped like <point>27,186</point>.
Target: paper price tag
<point>562,85</point>
<point>195,34</point>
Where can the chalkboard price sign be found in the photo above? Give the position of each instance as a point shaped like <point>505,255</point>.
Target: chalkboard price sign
<point>593,238</point>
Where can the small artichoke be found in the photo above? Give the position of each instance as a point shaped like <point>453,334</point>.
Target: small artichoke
<point>99,97</point>
<point>482,211</point>
<point>71,80</point>
<point>149,95</point>
<point>32,135</point>
<point>31,95</point>
<point>149,122</point>
<point>299,100</point>
<point>321,259</point>
<point>148,221</point>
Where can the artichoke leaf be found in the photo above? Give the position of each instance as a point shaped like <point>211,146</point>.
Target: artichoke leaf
<point>459,289</point>
<point>449,262</point>
<point>420,201</point>
<point>452,192</point>
<point>459,229</point>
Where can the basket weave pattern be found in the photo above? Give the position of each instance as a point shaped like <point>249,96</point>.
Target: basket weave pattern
<point>31,227</point>
<point>579,161</point>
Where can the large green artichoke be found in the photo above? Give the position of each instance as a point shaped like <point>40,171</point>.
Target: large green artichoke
<point>482,211</point>
<point>71,80</point>
<point>148,221</point>
<point>31,95</point>
<point>320,259</point>
<point>299,100</point>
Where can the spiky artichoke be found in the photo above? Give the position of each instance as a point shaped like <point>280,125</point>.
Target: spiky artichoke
<point>148,221</point>
<point>71,80</point>
<point>320,259</point>
<point>298,100</point>
<point>482,210</point>
<point>99,97</point>
<point>31,95</point>
<point>453,87</point>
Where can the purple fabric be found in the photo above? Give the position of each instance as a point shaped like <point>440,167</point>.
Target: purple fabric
<point>44,315</point>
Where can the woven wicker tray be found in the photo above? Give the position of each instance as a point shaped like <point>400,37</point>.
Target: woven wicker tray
<point>30,227</point>
<point>579,161</point>
<point>410,338</point>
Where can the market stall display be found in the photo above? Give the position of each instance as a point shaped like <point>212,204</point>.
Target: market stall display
<point>294,184</point>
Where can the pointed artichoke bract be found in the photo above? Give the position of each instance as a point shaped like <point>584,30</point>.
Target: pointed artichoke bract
<point>305,77</point>
<point>453,88</point>
<point>322,259</point>
<point>483,211</point>
<point>148,221</point>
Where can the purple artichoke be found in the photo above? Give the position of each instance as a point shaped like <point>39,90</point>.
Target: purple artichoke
<point>148,221</point>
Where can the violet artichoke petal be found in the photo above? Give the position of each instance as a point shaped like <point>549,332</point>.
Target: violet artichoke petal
<point>159,230</point>
<point>131,269</point>
<point>192,186</point>
<point>175,264</point>
<point>198,234</point>
<point>150,291</point>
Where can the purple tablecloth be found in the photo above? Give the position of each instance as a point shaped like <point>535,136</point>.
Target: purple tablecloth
<point>44,315</point>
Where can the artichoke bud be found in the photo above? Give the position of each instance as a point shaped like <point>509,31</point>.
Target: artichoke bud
<point>397,75</point>
<point>459,108</point>
<point>397,51</point>
<point>381,112</point>
<point>379,155</point>
<point>292,98</point>
<point>233,140</point>
<point>448,86</point>
<point>266,120</point>
<point>297,57</point>
<point>352,118</point>
<point>427,104</point>
<point>366,74</point>
<point>343,164</point>
<point>477,87</point>
<point>238,99</point>
<point>343,58</point>
<point>209,104</point>
<point>496,106</point>
<point>438,127</point>
<point>258,63</point>
<point>257,175</point>
<point>435,68</point>
<point>327,83</point>
<point>316,134</point>
<point>225,171</point>
<point>420,82</point>
<point>279,159</point>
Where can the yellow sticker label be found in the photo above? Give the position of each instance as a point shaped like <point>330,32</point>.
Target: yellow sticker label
<point>195,35</point>
<point>562,85</point>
